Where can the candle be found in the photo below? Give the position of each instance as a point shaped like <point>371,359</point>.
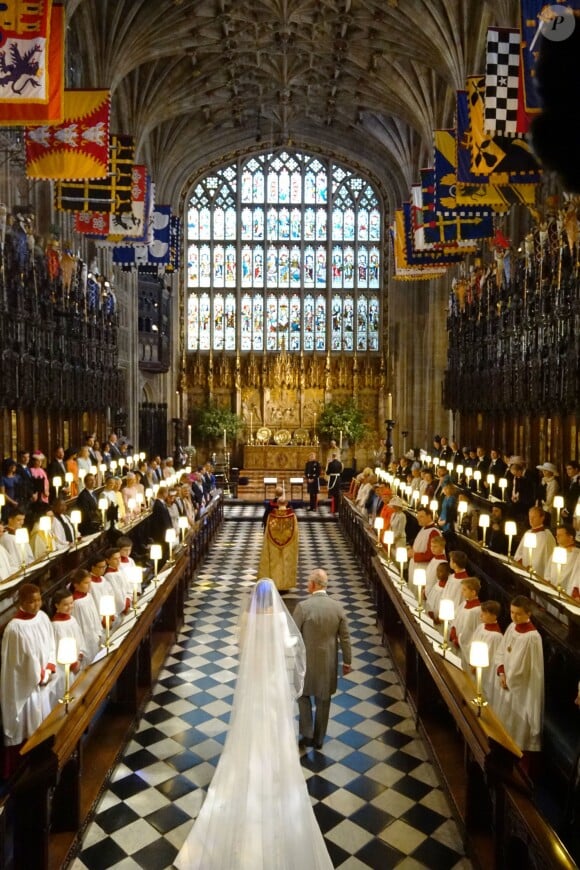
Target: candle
<point>340,440</point>
<point>107,610</point>
<point>189,436</point>
<point>479,659</point>
<point>389,406</point>
<point>420,581</point>
<point>66,655</point>
<point>558,504</point>
<point>225,440</point>
<point>446,613</point>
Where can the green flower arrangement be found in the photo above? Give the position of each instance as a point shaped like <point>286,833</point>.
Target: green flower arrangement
<point>345,417</point>
<point>210,422</point>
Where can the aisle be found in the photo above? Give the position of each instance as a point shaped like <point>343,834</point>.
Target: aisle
<point>375,795</point>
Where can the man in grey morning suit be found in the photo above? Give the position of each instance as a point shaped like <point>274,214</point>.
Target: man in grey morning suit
<point>323,625</point>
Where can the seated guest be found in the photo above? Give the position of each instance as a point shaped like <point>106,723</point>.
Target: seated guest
<point>572,491</point>
<point>39,476</point>
<point>489,632</point>
<point>57,468</point>
<point>541,554</point>
<point>64,624</point>
<point>84,464</point>
<point>520,670</point>
<point>521,496</point>
<point>448,513</point>
<point>466,618</point>
<point>398,522</point>
<point>18,554</point>
<point>87,503</point>
<point>563,575</point>
<point>549,488</point>
<point>497,540</point>
<point>6,569</point>
<point>42,542</point>
<point>86,613</point>
<point>458,563</point>
<point>9,485</point>
<point>28,666</point>
<point>63,530</point>
<point>497,466</point>
<point>438,591</point>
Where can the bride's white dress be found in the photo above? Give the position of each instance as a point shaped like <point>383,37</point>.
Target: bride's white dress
<point>257,814</point>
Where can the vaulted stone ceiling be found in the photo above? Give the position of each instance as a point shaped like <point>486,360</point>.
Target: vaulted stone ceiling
<point>198,81</point>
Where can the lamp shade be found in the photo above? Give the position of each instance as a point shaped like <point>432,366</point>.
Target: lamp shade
<point>434,504</point>
<point>107,605</point>
<point>484,521</point>
<point>76,517</point>
<point>479,654</point>
<point>468,471</point>
<point>66,653</point>
<point>462,507</point>
<point>401,554</point>
<point>378,524</point>
<point>530,541</point>
<point>21,536</point>
<point>103,503</point>
<point>503,483</point>
<point>135,575</point>
<point>446,609</point>
<point>155,552</point>
<point>419,577</point>
<point>510,529</point>
<point>131,505</point>
<point>170,536</point>
<point>45,524</point>
<point>459,469</point>
<point>184,523</point>
<point>559,556</point>
<point>148,493</point>
<point>57,481</point>
<point>69,477</point>
<point>424,501</point>
<point>139,498</point>
<point>559,502</point>
<point>449,466</point>
<point>82,473</point>
<point>389,537</point>
<point>477,474</point>
<point>490,479</point>
<point>113,464</point>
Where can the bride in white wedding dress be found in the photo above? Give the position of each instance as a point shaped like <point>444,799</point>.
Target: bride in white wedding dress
<point>257,814</point>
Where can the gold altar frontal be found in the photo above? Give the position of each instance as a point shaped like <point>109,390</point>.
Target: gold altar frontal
<point>277,457</point>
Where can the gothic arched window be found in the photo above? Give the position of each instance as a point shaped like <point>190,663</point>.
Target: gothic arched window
<point>284,253</point>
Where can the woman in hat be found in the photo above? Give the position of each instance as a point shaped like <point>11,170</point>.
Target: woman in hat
<point>550,487</point>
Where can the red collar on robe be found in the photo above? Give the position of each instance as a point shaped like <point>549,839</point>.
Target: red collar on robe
<point>95,579</point>
<point>473,602</point>
<point>61,617</point>
<point>124,559</point>
<point>443,583</point>
<point>538,530</point>
<point>460,575</point>
<point>492,626</point>
<point>524,627</point>
<point>22,614</point>
<point>76,595</point>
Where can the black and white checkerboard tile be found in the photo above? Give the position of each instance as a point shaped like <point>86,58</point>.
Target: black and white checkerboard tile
<point>375,794</point>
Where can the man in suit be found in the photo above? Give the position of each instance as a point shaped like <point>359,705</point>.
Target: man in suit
<point>57,468</point>
<point>323,625</point>
<point>88,505</point>
<point>312,472</point>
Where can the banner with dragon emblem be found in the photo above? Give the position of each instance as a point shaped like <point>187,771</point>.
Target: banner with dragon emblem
<point>31,63</point>
<point>77,148</point>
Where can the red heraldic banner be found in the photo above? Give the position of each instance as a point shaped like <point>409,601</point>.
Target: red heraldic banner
<point>31,64</point>
<point>77,148</point>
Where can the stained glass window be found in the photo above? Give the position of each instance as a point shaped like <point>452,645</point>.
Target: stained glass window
<point>284,252</point>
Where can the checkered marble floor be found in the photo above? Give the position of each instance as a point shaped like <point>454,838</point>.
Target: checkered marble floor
<point>375,794</point>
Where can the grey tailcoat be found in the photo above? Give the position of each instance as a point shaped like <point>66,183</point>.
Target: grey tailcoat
<point>322,622</point>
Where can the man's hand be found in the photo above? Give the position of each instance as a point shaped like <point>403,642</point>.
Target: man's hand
<point>346,669</point>
<point>503,681</point>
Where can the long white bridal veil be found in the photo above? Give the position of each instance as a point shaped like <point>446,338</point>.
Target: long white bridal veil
<point>257,814</point>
